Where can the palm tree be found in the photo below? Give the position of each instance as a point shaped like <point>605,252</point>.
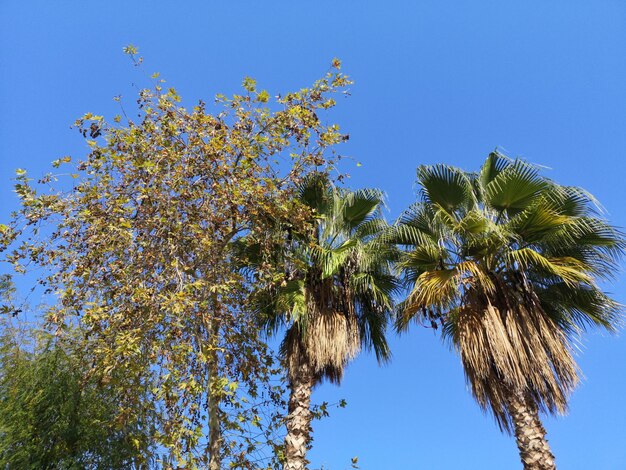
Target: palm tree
<point>335,296</point>
<point>507,262</point>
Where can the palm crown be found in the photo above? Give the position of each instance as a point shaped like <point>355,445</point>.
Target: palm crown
<point>336,293</point>
<point>508,262</point>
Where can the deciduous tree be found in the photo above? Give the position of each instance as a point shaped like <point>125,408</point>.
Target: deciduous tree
<point>138,251</point>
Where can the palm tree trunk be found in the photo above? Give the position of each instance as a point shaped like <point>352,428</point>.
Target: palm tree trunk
<point>299,418</point>
<point>530,434</point>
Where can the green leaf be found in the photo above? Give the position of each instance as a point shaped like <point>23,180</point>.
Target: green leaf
<point>446,186</point>
<point>515,187</point>
<point>493,166</point>
<point>249,84</point>
<point>263,97</point>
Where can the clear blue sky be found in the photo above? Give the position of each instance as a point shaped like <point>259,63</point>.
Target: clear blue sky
<point>436,81</point>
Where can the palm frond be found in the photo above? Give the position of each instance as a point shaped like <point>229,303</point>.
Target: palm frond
<point>571,201</point>
<point>471,275</point>
<point>580,306</point>
<point>315,191</point>
<point>360,204</point>
<point>518,349</point>
<point>406,235</point>
<point>419,216</point>
<point>370,228</point>
<point>570,270</point>
<point>446,186</point>
<point>538,221</point>
<point>330,341</point>
<point>474,223</point>
<point>377,288</point>
<point>373,327</point>
<point>436,289</point>
<point>588,235</point>
<point>425,257</point>
<point>291,298</point>
<point>493,166</point>
<point>515,187</point>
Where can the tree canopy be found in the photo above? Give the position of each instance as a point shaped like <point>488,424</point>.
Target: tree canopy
<point>138,251</point>
<point>509,262</point>
<point>54,414</point>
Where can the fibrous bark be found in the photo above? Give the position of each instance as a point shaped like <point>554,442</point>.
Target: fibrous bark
<point>530,434</point>
<point>299,418</point>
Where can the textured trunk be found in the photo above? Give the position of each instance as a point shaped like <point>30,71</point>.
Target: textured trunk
<point>214,398</point>
<point>530,434</point>
<point>299,419</point>
<point>215,434</point>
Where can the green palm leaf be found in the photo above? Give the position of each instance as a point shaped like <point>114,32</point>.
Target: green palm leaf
<point>515,187</point>
<point>446,186</point>
<point>493,166</point>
